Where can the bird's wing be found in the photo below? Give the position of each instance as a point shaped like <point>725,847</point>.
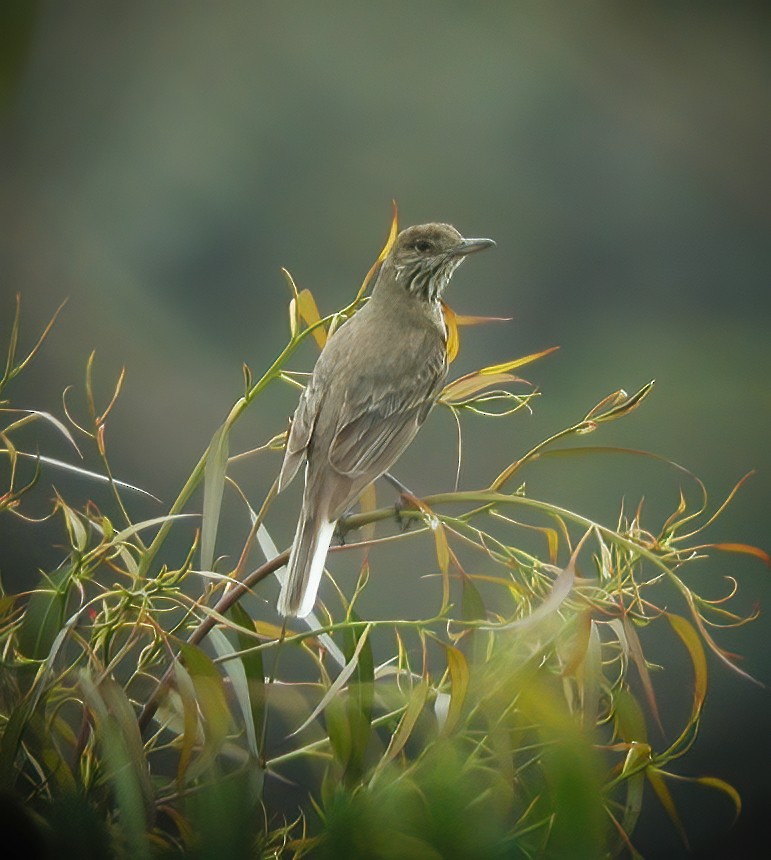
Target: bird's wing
<point>300,433</point>
<point>374,429</point>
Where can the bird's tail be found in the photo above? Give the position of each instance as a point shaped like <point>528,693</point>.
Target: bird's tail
<point>305,566</point>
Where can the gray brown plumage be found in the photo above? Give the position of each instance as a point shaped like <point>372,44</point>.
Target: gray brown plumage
<point>371,389</point>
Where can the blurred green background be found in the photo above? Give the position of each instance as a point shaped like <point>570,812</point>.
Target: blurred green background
<point>160,161</point>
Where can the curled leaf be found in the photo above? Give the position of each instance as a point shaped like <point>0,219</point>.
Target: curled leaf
<point>451,324</point>
<point>383,254</point>
<point>463,388</point>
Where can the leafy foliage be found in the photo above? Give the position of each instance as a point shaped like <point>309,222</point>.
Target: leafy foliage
<point>144,714</point>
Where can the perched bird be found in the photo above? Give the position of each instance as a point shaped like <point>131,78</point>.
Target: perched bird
<point>372,387</point>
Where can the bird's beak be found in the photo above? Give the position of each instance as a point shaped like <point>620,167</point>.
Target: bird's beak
<point>471,246</point>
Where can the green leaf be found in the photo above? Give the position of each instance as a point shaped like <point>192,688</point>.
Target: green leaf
<point>473,609</point>
<point>191,731</point>
<point>121,750</point>
<point>13,731</point>
<point>75,528</point>
<point>591,678</point>
<point>45,614</point>
<point>213,490</point>
<point>561,588</point>
<point>459,682</point>
<point>234,668</point>
<point>251,660</point>
<point>629,717</point>
<point>211,702</point>
<point>124,534</point>
<point>407,723</point>
<point>340,681</point>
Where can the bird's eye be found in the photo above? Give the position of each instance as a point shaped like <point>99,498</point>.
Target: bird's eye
<point>423,246</point>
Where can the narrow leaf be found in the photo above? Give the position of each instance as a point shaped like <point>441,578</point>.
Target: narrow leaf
<point>665,798</point>
<point>518,362</point>
<point>124,534</point>
<point>213,490</point>
<point>46,416</point>
<point>234,668</point>
<point>725,787</point>
<point>211,701</point>
<point>125,764</point>
<point>638,658</point>
<point>451,325</point>
<point>75,528</point>
<point>618,404</point>
<point>463,319</point>
<point>368,504</point>
<point>253,666</point>
<point>407,723</point>
<point>560,589</point>
<point>191,733</point>
<point>459,681</point>
<point>690,639</point>
<point>359,701</point>
<point>392,233</point>
<point>744,548</point>
<point>44,615</point>
<point>465,387</point>
<point>85,473</point>
<point>338,683</point>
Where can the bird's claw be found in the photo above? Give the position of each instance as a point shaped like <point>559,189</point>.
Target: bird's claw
<point>405,502</point>
<point>341,529</point>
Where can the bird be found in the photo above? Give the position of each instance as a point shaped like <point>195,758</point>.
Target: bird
<point>373,385</point>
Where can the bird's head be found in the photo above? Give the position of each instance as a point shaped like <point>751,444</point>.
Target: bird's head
<point>424,257</point>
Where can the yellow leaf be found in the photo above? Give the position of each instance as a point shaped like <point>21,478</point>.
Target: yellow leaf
<point>368,503</point>
<point>309,312</point>
<point>725,787</point>
<point>665,798</point>
<point>407,723</point>
<point>459,680</point>
<point>518,362</point>
<point>462,319</point>
<point>690,639</point>
<point>384,253</point>
<point>464,387</point>
<point>290,281</point>
<point>639,755</point>
<point>442,548</point>
<point>451,324</point>
<point>269,631</point>
<point>392,233</point>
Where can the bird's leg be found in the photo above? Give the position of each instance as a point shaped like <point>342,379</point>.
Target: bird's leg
<point>397,484</point>
<point>404,501</point>
<point>340,529</point>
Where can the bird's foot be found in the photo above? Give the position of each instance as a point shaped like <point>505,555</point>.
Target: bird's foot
<point>406,502</point>
<point>341,529</point>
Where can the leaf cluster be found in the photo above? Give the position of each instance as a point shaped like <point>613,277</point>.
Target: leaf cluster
<point>145,712</point>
